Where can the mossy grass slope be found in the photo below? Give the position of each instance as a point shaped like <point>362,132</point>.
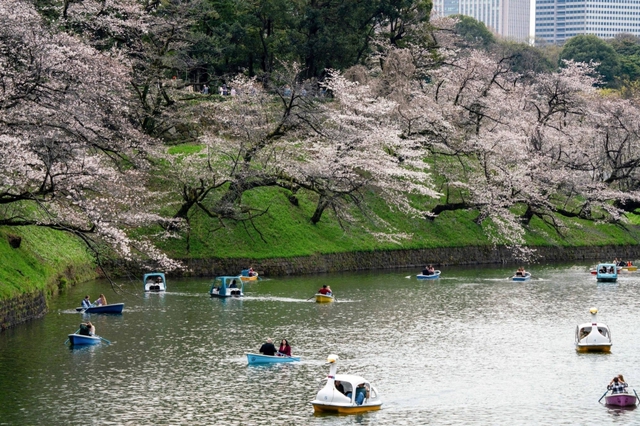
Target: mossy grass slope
<point>286,231</point>
<point>45,260</point>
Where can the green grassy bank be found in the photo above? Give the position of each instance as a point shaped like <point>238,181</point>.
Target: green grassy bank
<point>46,260</point>
<point>285,231</point>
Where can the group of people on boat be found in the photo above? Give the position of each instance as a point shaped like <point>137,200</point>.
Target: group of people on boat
<point>362,391</point>
<point>326,290</point>
<point>604,270</point>
<point>268,348</point>
<point>520,272</point>
<point>100,301</point>
<point>622,262</point>
<point>251,272</point>
<point>429,270</point>
<point>618,385</point>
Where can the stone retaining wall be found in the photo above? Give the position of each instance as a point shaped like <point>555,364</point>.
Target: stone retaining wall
<point>22,309</point>
<point>356,261</point>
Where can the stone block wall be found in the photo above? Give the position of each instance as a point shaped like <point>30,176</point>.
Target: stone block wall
<point>356,261</point>
<point>22,309</point>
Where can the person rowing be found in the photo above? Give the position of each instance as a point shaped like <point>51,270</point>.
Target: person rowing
<point>268,348</point>
<point>86,302</point>
<point>326,290</point>
<point>429,270</point>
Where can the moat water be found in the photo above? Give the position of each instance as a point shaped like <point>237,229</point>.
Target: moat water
<point>472,347</point>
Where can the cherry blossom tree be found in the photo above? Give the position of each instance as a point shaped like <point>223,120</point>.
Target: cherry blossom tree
<point>71,158</point>
<point>294,136</point>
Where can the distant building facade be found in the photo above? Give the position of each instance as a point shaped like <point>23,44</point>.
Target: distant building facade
<point>559,20</point>
<point>507,18</point>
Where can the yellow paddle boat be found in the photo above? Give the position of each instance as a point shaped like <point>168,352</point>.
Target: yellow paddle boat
<point>345,393</point>
<point>593,336</point>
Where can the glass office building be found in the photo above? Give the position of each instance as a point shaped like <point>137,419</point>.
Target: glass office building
<point>559,20</point>
<point>507,18</point>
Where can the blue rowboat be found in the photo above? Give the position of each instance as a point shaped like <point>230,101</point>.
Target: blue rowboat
<point>433,276</point>
<point>114,308</point>
<point>525,277</point>
<point>269,359</point>
<point>80,339</point>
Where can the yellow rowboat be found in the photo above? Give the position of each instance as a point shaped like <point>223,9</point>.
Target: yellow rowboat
<point>252,278</point>
<point>345,393</point>
<point>324,298</point>
<point>630,268</point>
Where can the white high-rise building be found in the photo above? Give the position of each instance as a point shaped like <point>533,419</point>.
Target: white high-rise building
<point>508,18</point>
<point>559,20</point>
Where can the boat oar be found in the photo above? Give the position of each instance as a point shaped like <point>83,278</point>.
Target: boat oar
<point>606,392</point>
<point>311,297</point>
<point>102,338</point>
<point>76,332</point>
<point>637,399</point>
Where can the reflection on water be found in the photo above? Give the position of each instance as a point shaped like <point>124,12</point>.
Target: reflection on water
<point>472,347</point>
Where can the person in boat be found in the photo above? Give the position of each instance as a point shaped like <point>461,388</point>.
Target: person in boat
<point>233,284</point>
<point>361,393</point>
<point>252,273</point>
<point>87,329</point>
<point>326,290</point>
<point>583,333</point>
<point>101,301</point>
<point>611,270</point>
<point>86,302</point>
<point>430,270</point>
<point>285,348</point>
<point>520,272</point>
<point>268,348</point>
<point>339,386</point>
<point>616,386</point>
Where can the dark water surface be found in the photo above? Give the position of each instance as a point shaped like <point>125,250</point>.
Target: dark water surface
<point>469,348</point>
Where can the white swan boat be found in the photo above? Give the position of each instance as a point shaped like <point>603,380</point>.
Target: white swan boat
<point>593,336</point>
<point>345,393</point>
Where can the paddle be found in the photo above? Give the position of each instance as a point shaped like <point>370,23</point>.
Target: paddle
<point>607,391</point>
<point>76,332</point>
<point>637,399</point>
<point>311,297</point>
<point>102,338</point>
